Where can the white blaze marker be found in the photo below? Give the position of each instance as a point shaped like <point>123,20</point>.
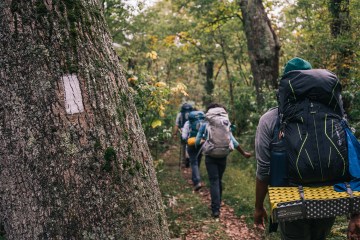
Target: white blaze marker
<point>73,98</point>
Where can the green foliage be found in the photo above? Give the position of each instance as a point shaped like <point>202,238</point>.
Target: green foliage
<point>169,43</point>
<point>307,33</point>
<point>117,16</point>
<point>244,108</point>
<point>353,109</point>
<point>240,185</point>
<point>152,99</point>
<point>184,35</point>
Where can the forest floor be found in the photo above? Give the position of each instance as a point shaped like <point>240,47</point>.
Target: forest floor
<point>189,214</point>
<point>234,227</point>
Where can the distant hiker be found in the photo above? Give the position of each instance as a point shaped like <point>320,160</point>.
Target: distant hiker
<point>181,118</point>
<point>218,142</point>
<point>189,132</point>
<point>312,156</point>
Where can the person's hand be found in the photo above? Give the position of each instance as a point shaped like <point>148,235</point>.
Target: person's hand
<point>260,217</point>
<point>247,154</point>
<point>353,231</point>
<point>202,141</point>
<point>244,153</point>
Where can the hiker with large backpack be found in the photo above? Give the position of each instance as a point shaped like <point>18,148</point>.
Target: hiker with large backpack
<point>188,135</point>
<point>180,121</point>
<point>302,143</point>
<point>218,141</point>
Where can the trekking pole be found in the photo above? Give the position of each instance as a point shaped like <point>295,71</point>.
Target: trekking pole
<point>180,157</point>
<point>180,154</point>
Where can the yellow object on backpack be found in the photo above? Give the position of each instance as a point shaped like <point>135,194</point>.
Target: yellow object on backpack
<point>191,141</point>
<point>292,203</point>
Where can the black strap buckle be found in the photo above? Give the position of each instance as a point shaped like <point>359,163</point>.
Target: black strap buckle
<point>350,192</point>
<point>302,197</point>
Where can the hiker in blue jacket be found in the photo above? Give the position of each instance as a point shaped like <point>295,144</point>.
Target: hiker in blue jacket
<point>215,166</point>
<point>188,134</point>
<point>302,229</point>
<point>181,118</point>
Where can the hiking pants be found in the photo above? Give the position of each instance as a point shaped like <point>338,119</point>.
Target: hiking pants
<point>306,229</point>
<point>195,159</point>
<point>215,168</point>
<point>184,154</point>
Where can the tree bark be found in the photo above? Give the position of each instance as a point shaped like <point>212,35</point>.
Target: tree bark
<point>340,23</point>
<point>209,83</point>
<point>263,46</point>
<point>228,75</point>
<point>74,162</point>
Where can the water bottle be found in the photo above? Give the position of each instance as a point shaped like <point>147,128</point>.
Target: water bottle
<point>278,165</point>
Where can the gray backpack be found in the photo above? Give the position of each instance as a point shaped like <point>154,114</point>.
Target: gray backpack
<point>218,143</point>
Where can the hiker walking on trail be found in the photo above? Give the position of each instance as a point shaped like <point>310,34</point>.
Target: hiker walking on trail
<point>218,141</point>
<point>305,167</point>
<point>180,121</point>
<point>188,135</point>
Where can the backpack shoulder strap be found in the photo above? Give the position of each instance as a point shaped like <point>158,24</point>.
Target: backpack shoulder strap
<point>277,127</point>
<point>207,131</point>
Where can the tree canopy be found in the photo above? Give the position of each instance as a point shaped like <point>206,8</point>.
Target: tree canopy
<point>178,44</point>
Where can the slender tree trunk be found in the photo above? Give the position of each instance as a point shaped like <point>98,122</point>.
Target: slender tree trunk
<point>74,162</point>
<point>339,10</point>
<point>242,72</point>
<point>227,70</point>
<point>263,46</point>
<point>209,83</point>
<point>228,76</point>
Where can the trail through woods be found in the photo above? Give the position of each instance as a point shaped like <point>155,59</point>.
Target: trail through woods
<point>229,225</point>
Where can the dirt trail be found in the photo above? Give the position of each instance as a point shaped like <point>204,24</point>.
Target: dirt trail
<point>233,226</point>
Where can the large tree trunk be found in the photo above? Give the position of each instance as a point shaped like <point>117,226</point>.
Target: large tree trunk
<point>74,161</point>
<point>263,46</point>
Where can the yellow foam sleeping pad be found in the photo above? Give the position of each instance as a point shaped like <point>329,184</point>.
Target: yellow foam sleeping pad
<point>291,203</point>
<point>191,141</point>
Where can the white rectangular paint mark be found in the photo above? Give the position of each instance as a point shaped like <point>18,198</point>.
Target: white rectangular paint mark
<point>73,98</point>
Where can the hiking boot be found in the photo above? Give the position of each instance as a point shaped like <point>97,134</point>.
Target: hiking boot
<point>197,187</point>
<point>215,214</point>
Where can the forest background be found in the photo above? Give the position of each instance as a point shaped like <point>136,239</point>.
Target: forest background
<point>75,162</point>
<point>86,172</point>
<point>196,51</point>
